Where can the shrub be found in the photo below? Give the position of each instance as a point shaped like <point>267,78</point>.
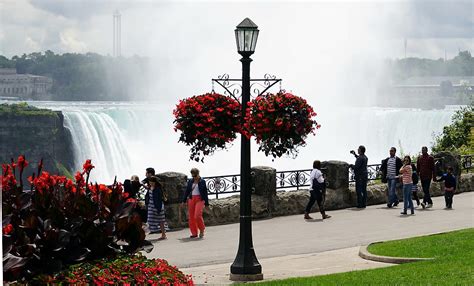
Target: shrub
<point>59,222</point>
<point>457,136</point>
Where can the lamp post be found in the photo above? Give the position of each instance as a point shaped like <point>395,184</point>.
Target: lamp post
<point>245,266</point>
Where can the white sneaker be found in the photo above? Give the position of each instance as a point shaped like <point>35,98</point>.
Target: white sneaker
<point>429,206</point>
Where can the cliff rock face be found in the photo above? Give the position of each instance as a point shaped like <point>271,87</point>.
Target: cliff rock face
<point>36,134</point>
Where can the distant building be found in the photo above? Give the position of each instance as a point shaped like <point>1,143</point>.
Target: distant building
<point>426,92</point>
<point>24,86</point>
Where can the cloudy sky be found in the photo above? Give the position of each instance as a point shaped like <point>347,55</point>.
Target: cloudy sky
<point>153,27</point>
<point>328,51</point>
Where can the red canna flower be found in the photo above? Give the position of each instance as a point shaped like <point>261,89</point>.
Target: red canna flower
<point>7,229</point>
<point>87,166</point>
<point>80,182</point>
<point>22,163</point>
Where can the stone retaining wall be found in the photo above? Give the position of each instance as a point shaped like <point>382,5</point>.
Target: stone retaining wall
<point>268,203</point>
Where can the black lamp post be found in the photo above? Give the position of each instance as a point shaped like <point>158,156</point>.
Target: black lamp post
<point>246,266</point>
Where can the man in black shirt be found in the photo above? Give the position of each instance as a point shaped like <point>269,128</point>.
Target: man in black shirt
<point>361,176</point>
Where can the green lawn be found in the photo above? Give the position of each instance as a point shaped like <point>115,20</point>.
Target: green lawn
<point>454,264</point>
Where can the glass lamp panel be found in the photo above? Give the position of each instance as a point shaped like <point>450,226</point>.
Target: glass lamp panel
<point>254,40</point>
<point>240,39</point>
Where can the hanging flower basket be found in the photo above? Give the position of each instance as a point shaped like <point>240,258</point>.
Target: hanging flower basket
<point>280,122</point>
<point>207,122</point>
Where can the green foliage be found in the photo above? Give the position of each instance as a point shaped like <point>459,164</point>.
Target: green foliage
<point>84,76</point>
<point>453,264</point>
<point>458,136</point>
<point>23,109</point>
<point>461,65</point>
<point>64,171</point>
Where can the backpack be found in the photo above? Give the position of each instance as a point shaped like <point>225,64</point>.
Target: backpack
<point>414,175</point>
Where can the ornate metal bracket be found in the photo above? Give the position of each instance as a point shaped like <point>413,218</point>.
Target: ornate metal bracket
<point>233,87</point>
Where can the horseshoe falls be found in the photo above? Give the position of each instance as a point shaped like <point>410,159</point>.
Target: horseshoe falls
<point>123,139</point>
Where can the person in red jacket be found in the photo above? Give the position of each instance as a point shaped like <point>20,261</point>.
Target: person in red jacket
<point>426,171</point>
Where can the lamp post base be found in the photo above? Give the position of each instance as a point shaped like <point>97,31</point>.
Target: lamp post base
<point>246,277</point>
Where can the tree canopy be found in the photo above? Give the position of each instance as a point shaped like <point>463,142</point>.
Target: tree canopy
<point>460,65</point>
<point>87,76</point>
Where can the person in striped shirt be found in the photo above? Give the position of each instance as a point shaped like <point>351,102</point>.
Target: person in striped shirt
<point>390,171</point>
<point>406,171</point>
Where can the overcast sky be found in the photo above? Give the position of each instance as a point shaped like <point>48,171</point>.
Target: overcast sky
<point>150,28</point>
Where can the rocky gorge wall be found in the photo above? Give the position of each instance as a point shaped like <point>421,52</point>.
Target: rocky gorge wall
<point>268,203</point>
<point>35,133</point>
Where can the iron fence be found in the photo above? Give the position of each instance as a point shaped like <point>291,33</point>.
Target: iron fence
<point>373,170</point>
<point>293,179</point>
<point>220,185</point>
<point>285,180</point>
<point>297,179</point>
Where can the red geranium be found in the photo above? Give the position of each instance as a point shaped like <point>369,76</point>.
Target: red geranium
<point>280,122</point>
<point>207,122</point>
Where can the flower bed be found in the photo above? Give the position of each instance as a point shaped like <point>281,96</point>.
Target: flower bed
<point>58,222</point>
<point>207,122</point>
<point>123,270</point>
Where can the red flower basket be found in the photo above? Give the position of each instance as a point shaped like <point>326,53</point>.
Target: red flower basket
<point>207,122</point>
<point>280,122</point>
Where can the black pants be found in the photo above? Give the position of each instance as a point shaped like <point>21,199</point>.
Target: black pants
<point>425,185</point>
<point>448,197</point>
<point>319,196</point>
<point>415,197</point>
<point>361,190</point>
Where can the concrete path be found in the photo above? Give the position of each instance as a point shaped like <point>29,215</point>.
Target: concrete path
<point>291,235</point>
<point>301,265</point>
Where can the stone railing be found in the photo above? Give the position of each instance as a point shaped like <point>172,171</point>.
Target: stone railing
<point>268,202</point>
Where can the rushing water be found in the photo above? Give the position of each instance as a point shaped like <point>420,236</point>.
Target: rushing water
<point>123,138</point>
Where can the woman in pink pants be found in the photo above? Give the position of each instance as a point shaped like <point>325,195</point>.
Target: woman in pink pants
<point>197,199</point>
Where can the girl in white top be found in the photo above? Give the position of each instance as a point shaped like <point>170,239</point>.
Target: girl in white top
<point>317,191</point>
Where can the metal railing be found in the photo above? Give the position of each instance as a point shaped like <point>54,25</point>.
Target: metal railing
<point>220,185</point>
<point>297,179</point>
<point>373,171</point>
<point>293,179</point>
<point>285,180</point>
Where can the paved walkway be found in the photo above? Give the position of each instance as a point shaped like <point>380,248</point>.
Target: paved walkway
<point>291,238</point>
<point>333,261</point>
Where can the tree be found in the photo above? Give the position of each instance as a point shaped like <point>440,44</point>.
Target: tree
<point>459,135</point>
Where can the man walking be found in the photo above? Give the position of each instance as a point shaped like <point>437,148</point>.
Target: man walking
<point>390,170</point>
<point>426,171</point>
<point>361,176</point>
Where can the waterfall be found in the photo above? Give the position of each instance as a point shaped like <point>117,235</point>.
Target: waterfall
<point>96,136</point>
<point>125,139</point>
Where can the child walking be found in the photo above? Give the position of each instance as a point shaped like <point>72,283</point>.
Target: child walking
<point>407,174</point>
<point>414,188</point>
<point>449,187</point>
